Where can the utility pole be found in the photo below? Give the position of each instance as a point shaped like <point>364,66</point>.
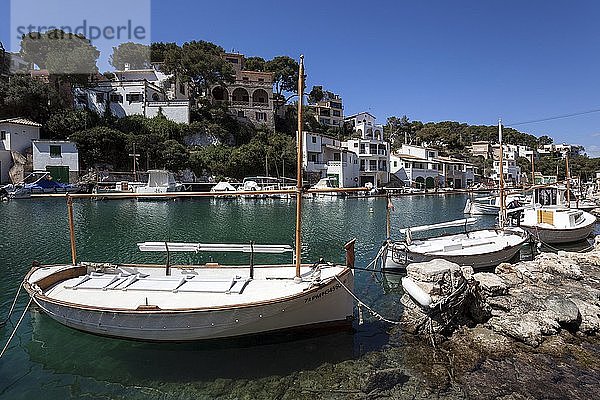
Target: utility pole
<point>135,156</point>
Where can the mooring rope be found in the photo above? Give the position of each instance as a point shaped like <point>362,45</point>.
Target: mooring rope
<point>12,335</point>
<point>12,307</point>
<point>362,304</point>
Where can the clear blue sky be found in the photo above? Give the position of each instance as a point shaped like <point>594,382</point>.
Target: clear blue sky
<point>469,61</point>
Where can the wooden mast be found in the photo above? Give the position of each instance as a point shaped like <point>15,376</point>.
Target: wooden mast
<point>568,180</point>
<point>299,171</point>
<point>71,230</point>
<point>502,216</point>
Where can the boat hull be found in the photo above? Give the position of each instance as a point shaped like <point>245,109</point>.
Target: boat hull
<point>401,255</point>
<point>556,236</point>
<point>328,304</point>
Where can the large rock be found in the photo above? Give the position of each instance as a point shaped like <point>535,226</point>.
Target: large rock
<point>434,271</point>
<point>491,284</point>
<point>562,310</point>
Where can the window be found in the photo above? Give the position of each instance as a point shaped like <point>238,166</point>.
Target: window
<point>336,157</point>
<point>362,148</point>
<point>356,144</point>
<point>2,135</point>
<point>261,79</point>
<point>312,157</point>
<point>134,97</point>
<point>395,164</point>
<point>314,139</point>
<point>245,78</point>
<point>182,88</point>
<point>55,151</point>
<point>99,97</point>
<point>241,114</point>
<point>336,113</point>
<point>155,97</point>
<point>232,60</point>
<point>373,165</point>
<point>261,116</point>
<point>116,98</point>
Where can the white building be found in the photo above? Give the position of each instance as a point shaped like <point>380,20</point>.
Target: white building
<point>146,92</point>
<point>373,151</point>
<point>16,134</point>
<point>511,170</point>
<point>416,166</point>
<point>59,158</point>
<point>324,156</point>
<point>557,150</point>
<point>329,111</point>
<point>423,167</point>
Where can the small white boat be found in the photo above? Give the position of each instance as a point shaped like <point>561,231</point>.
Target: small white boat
<point>479,249</point>
<point>326,183</point>
<point>491,205</point>
<point>159,181</point>
<point>223,186</point>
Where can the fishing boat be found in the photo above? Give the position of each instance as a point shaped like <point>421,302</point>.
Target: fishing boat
<point>479,249</point>
<point>159,181</point>
<point>490,205</point>
<point>197,302</point>
<point>550,220</point>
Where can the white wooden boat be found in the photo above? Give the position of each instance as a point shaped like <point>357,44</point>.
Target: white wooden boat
<point>479,248</point>
<point>556,224</point>
<point>550,220</point>
<point>183,303</point>
<point>490,205</point>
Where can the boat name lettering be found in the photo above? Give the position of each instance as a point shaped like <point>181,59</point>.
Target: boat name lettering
<point>323,293</point>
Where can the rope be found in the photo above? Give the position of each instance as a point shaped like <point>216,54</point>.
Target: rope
<point>362,304</point>
<point>12,307</point>
<point>12,335</point>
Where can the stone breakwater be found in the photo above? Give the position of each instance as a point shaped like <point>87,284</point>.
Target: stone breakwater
<point>526,302</point>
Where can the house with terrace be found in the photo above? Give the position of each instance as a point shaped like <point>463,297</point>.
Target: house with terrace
<point>148,92</point>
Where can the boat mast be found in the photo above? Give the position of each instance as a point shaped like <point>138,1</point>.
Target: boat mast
<point>72,230</point>
<point>533,168</point>
<point>502,214</point>
<point>568,180</point>
<point>299,170</point>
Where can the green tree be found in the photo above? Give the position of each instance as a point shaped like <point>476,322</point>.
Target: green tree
<point>64,123</point>
<point>255,64</point>
<point>200,63</point>
<point>137,55</point>
<point>159,50</point>
<point>285,74</point>
<point>174,156</point>
<point>70,56</point>
<point>101,145</point>
<point>316,94</point>
<point>23,96</point>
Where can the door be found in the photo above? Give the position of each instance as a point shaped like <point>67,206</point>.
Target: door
<point>59,174</point>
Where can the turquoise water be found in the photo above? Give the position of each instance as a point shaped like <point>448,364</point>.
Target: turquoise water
<point>49,361</point>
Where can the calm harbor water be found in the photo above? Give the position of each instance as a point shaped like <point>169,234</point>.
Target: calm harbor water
<point>49,361</point>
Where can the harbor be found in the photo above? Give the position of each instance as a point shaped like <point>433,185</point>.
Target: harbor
<point>90,365</point>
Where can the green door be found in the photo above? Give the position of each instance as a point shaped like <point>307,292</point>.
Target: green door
<point>59,174</point>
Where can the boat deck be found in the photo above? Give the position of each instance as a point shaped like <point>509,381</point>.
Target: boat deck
<point>129,288</point>
<point>476,242</point>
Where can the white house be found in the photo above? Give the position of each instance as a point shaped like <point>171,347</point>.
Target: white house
<point>416,165</point>
<point>16,135</point>
<point>423,167</point>
<point>511,170</point>
<point>373,151</point>
<point>324,156</point>
<point>144,92</point>
<point>59,158</point>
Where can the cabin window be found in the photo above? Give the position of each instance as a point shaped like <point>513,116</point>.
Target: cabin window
<point>55,151</point>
